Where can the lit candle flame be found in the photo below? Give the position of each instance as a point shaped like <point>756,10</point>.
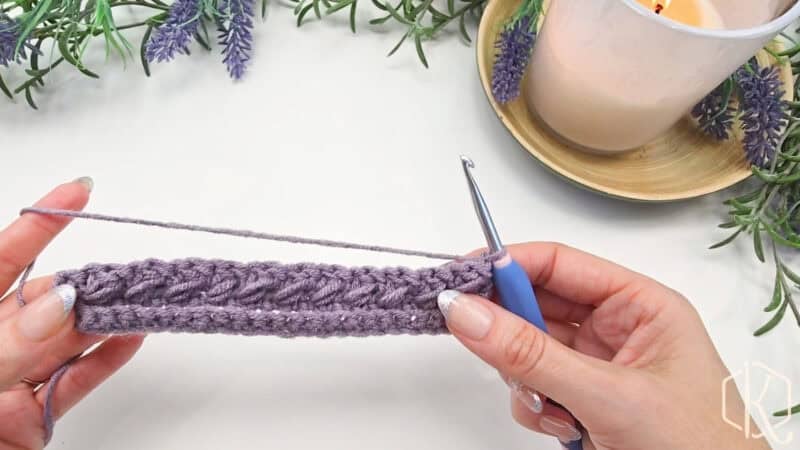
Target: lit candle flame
<point>660,5</point>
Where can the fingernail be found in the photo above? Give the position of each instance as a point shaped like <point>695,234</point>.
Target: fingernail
<point>564,431</point>
<point>87,182</point>
<point>464,315</point>
<point>42,318</point>
<point>527,396</point>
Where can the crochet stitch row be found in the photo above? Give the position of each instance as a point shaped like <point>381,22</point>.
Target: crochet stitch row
<point>267,298</point>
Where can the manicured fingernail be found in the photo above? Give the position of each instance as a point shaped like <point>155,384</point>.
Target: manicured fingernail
<point>564,431</point>
<point>464,315</point>
<point>527,396</point>
<point>87,182</point>
<point>42,318</point>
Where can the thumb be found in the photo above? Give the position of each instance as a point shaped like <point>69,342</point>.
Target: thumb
<point>24,332</point>
<point>525,353</point>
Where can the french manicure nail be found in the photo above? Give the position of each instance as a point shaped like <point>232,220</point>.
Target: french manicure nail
<point>41,318</point>
<point>527,396</point>
<point>564,431</point>
<point>465,315</point>
<point>87,182</point>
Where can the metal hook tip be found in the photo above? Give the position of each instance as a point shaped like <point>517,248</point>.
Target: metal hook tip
<point>467,162</point>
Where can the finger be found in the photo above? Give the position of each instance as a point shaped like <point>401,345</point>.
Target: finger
<point>62,347</point>
<point>555,307</point>
<point>90,371</point>
<point>574,275</point>
<point>26,237</point>
<point>525,353</point>
<point>33,289</point>
<point>551,420</point>
<point>24,337</point>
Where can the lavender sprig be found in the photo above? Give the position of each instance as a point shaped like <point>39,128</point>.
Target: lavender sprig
<point>715,112</point>
<point>763,112</point>
<point>236,34</point>
<point>514,51</point>
<point>9,36</point>
<point>175,34</point>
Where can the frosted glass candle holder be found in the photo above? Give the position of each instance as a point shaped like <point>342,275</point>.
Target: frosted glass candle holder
<point>610,75</point>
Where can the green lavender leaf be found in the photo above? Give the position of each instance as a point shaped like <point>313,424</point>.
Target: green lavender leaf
<point>403,39</point>
<point>727,240</point>
<point>793,410</point>
<point>31,20</point>
<point>462,28</point>
<point>66,52</point>
<point>420,51</point>
<point>303,13</point>
<point>4,88</point>
<point>380,20</point>
<point>353,15</point>
<point>29,98</point>
<point>776,294</point>
<point>143,50</point>
<point>773,322</point>
<point>758,244</point>
<point>339,5</point>
<point>317,10</point>
<point>790,274</point>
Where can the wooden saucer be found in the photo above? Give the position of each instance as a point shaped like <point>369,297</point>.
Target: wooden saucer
<point>681,164</point>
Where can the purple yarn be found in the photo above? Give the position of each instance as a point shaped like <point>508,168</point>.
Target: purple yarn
<point>261,298</point>
<point>267,298</point>
<point>235,232</point>
<point>236,34</point>
<point>175,34</point>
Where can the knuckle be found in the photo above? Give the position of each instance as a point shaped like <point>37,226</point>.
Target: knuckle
<point>522,349</point>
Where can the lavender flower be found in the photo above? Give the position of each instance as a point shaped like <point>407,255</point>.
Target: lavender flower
<point>236,34</point>
<point>714,115</point>
<point>175,34</point>
<point>9,34</point>
<point>763,111</point>
<point>514,44</point>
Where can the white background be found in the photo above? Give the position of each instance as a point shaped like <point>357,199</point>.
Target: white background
<point>328,138</point>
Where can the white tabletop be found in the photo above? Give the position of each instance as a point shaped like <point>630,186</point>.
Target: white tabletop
<point>326,137</point>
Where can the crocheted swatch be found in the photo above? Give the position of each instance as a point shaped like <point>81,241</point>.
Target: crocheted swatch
<point>267,298</point>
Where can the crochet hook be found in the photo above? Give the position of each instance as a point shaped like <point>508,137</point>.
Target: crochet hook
<point>513,286</point>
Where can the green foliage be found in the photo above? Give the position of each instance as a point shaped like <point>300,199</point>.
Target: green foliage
<point>771,211</point>
<point>69,26</point>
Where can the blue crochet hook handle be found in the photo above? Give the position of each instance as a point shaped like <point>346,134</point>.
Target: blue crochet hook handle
<point>512,283</point>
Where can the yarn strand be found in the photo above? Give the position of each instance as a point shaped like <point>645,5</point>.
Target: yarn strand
<point>238,233</point>
<point>308,288</point>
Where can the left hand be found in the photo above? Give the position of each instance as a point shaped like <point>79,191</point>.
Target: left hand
<point>37,339</point>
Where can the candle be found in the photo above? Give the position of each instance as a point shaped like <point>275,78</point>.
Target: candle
<point>607,76</point>
<point>696,13</point>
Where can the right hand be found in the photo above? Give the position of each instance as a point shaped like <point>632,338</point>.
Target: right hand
<point>629,357</point>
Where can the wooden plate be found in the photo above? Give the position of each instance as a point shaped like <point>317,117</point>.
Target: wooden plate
<point>681,164</point>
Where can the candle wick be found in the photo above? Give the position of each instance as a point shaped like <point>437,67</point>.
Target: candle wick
<point>659,8</point>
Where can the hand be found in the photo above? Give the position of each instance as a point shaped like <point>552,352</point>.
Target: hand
<point>628,357</point>
<point>37,339</point>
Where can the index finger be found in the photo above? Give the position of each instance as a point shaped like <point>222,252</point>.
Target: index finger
<point>575,275</point>
<point>27,236</point>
